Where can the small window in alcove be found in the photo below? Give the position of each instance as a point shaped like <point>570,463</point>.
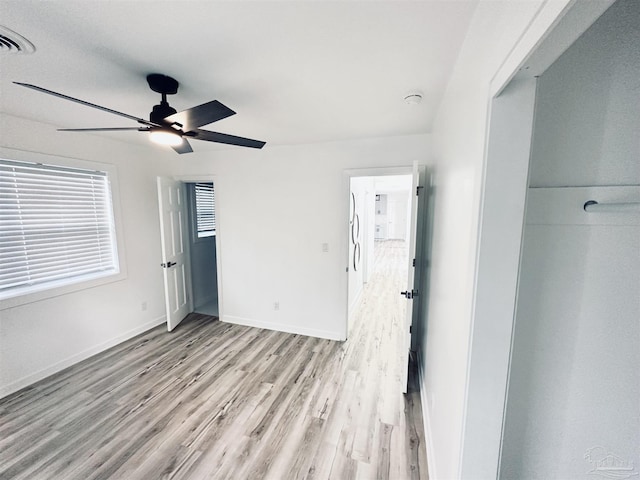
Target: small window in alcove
<point>205,211</point>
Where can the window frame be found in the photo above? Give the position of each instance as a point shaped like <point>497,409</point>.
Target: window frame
<point>82,284</point>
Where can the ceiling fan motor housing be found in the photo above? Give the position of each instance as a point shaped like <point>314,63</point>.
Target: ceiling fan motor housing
<point>162,84</point>
<point>160,112</point>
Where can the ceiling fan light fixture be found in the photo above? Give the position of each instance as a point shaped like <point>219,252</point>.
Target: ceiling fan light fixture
<point>165,137</point>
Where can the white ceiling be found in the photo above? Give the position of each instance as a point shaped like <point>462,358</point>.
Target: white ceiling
<point>295,72</point>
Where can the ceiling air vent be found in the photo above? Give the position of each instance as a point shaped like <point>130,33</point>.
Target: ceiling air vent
<point>12,42</point>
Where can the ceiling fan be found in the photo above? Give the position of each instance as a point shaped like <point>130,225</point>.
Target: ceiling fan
<point>165,125</point>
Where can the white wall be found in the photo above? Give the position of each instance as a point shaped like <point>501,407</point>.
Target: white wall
<point>587,119</point>
<point>395,222</point>
<point>574,381</point>
<point>276,207</point>
<point>459,146</point>
<point>203,272</point>
<point>43,337</point>
<point>398,216</point>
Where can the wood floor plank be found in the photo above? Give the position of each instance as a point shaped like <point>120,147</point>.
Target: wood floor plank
<point>221,401</point>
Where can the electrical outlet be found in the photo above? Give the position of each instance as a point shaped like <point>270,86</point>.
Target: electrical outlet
<point>143,306</point>
<point>325,247</point>
<point>276,305</point>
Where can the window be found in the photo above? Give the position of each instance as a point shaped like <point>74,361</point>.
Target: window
<point>56,227</point>
<point>205,210</point>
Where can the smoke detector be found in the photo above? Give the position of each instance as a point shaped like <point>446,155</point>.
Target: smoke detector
<point>13,42</point>
<point>413,98</point>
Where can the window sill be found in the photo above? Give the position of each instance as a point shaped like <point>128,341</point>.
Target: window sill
<point>65,289</point>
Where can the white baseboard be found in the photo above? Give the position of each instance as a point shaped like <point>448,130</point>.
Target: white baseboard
<point>280,327</point>
<point>426,418</point>
<point>76,358</point>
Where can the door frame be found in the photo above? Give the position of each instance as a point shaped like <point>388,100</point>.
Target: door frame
<point>212,179</point>
<point>554,29</point>
<point>346,189</point>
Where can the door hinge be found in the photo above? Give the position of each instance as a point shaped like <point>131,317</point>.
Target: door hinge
<point>410,294</point>
<point>418,189</point>
<point>410,328</point>
<point>168,264</point>
<point>414,262</point>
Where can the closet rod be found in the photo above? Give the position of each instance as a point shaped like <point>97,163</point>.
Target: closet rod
<point>593,206</point>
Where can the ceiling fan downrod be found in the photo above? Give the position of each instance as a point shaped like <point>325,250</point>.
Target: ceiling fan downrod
<point>164,85</point>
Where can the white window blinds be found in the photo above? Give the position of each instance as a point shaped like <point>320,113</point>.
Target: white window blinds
<point>56,227</point>
<point>205,209</point>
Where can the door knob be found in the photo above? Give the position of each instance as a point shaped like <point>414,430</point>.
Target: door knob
<point>409,294</point>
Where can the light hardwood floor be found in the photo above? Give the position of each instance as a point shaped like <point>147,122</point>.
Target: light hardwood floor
<point>220,401</point>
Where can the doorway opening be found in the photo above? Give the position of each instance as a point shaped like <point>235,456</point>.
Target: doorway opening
<point>202,237</point>
<point>380,212</point>
<point>381,285</point>
<point>500,343</point>
<point>190,247</point>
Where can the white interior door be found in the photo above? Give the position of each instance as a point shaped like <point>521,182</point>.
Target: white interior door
<point>411,292</point>
<point>175,250</point>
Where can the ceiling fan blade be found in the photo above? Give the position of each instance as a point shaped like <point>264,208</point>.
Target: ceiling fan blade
<point>82,102</point>
<point>107,129</point>
<point>204,114</point>
<point>224,138</point>
<point>184,147</point>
